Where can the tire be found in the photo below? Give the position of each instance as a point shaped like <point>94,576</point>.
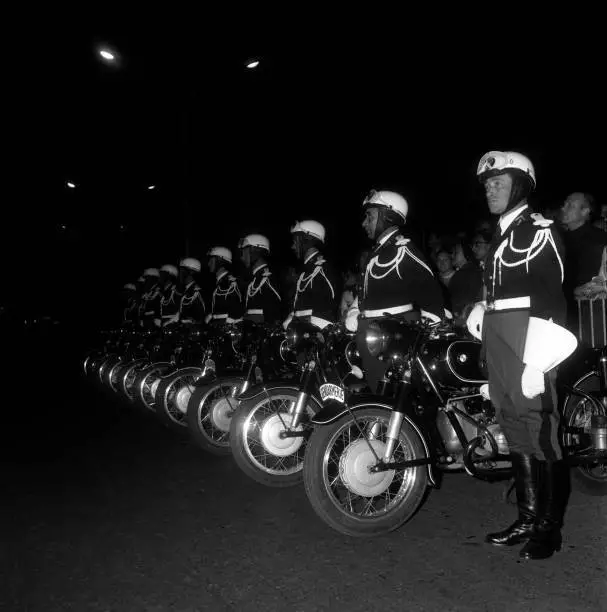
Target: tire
<point>254,438</point>
<point>106,366</point>
<point>209,415</point>
<point>590,479</point>
<point>172,397</point>
<point>347,505</point>
<point>147,382</point>
<point>113,375</point>
<point>128,377</point>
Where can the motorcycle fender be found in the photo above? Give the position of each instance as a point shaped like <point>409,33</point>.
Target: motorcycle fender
<point>335,410</point>
<point>263,388</point>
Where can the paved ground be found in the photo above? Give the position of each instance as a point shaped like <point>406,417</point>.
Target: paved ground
<point>105,510</point>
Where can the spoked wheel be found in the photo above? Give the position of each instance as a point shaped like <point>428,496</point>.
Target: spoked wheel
<point>590,477</point>
<point>113,376</point>
<point>106,366</point>
<point>128,377</point>
<point>343,490</point>
<point>148,380</point>
<point>258,443</point>
<point>173,395</point>
<point>210,412</point>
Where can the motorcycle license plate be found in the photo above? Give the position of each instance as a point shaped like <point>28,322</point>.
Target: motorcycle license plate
<point>329,391</point>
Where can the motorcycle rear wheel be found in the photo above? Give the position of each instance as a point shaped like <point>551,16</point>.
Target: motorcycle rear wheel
<point>255,439</point>
<point>590,479</point>
<point>209,415</point>
<point>342,491</point>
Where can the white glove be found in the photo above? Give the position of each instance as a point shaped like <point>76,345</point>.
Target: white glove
<point>208,318</point>
<point>532,382</point>
<point>484,391</point>
<point>287,322</point>
<point>351,321</point>
<point>474,322</point>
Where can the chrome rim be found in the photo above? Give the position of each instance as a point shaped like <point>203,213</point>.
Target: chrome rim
<point>215,411</point>
<point>128,381</point>
<point>176,398</point>
<point>352,488</point>
<point>263,445</point>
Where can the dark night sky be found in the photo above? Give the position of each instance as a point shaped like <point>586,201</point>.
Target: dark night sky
<point>409,103</point>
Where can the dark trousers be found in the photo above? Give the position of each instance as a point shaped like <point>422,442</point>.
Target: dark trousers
<point>530,425</point>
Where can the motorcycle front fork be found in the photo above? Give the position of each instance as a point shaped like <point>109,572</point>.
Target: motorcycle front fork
<point>396,419</point>
<point>297,410</point>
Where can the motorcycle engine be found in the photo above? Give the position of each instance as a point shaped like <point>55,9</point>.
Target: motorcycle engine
<point>483,415</point>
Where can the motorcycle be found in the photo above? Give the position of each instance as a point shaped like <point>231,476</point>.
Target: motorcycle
<point>372,459</point>
<point>211,406</point>
<point>175,389</point>
<point>270,427</point>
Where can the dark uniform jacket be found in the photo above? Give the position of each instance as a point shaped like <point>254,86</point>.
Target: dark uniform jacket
<point>317,291</point>
<point>262,300</point>
<point>169,305</point>
<point>397,276</point>
<point>526,261</point>
<point>150,306</point>
<point>226,302</point>
<point>192,308</point>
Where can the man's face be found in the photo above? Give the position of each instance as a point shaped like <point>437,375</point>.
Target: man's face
<point>480,247</point>
<point>245,257</point>
<point>297,246</point>
<point>444,263</point>
<point>370,221</point>
<point>574,210</point>
<point>497,192</point>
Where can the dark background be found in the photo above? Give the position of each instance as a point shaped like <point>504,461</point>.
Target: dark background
<point>403,101</point>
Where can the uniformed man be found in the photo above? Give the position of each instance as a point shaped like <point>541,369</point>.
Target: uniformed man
<point>130,314</point>
<point>523,280</point>
<point>170,298</point>
<point>192,309</point>
<point>317,290</point>
<point>150,298</point>
<point>226,301</point>
<point>262,300</point>
<point>398,281</point>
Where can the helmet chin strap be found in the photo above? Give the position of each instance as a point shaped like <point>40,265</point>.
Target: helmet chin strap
<point>519,191</point>
<point>383,223</point>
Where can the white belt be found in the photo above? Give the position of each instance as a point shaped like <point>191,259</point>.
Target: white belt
<point>220,316</point>
<point>322,323</point>
<point>303,313</point>
<point>255,311</point>
<point>509,303</point>
<point>393,310</point>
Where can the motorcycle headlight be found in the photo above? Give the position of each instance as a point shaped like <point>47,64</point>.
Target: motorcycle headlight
<point>298,333</point>
<point>388,336</point>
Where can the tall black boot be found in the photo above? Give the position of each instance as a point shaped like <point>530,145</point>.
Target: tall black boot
<point>526,487</point>
<point>546,538</point>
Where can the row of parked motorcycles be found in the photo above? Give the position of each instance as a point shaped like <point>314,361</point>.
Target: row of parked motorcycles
<point>292,406</point>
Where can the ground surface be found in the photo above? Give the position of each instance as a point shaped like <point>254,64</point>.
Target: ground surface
<point>105,510</point>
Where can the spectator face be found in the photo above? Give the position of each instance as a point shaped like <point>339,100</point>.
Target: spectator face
<point>480,247</point>
<point>497,192</point>
<point>444,262</point>
<point>574,212</point>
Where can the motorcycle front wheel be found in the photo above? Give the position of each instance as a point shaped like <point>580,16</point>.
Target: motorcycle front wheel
<point>147,381</point>
<point>257,442</point>
<point>173,395</point>
<point>340,486</point>
<point>210,412</point>
<point>128,376</point>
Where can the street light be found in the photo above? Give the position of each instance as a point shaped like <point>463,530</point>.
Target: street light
<point>253,63</point>
<point>150,187</point>
<point>71,185</point>
<point>107,55</point>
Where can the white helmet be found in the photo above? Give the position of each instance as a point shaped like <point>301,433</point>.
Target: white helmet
<point>498,162</point>
<point>169,269</point>
<point>255,240</point>
<point>221,252</point>
<point>388,199</point>
<point>190,264</point>
<point>311,228</point>
<point>130,287</point>
<point>151,272</point>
